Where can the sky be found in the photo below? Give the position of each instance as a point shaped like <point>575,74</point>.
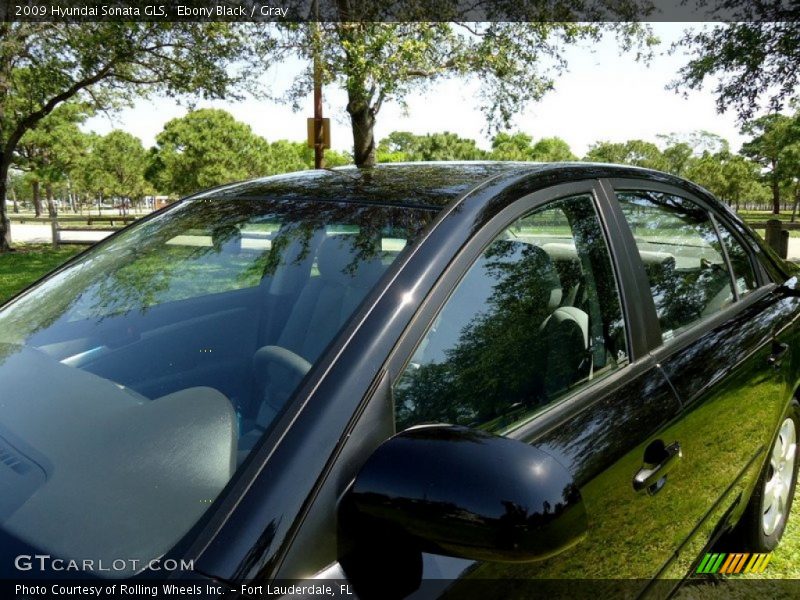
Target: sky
<point>605,95</point>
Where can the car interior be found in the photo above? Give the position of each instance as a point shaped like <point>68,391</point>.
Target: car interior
<point>200,376</point>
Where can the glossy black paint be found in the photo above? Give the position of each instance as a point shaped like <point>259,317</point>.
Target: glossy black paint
<point>467,493</point>
<point>255,526</point>
<point>286,497</point>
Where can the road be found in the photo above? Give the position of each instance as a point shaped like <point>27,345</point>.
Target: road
<point>40,234</point>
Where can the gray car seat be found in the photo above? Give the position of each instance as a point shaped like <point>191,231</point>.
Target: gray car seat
<point>347,273</point>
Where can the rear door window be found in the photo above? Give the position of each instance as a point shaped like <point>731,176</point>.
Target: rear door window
<point>682,256</point>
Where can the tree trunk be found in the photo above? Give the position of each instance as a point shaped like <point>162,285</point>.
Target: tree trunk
<point>51,203</point>
<point>5,224</point>
<point>796,201</point>
<point>37,198</point>
<point>362,121</point>
<point>14,199</point>
<point>776,191</point>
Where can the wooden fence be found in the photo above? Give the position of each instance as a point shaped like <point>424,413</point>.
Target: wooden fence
<point>71,223</point>
<point>777,234</point>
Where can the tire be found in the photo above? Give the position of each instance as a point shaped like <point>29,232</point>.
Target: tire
<point>764,520</point>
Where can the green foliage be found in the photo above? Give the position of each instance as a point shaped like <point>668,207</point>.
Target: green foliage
<point>774,145</point>
<point>52,149</point>
<point>633,152</point>
<point>286,156</point>
<point>207,147</point>
<point>552,149</point>
<point>448,146</point>
<point>750,57</point>
<point>115,167</point>
<point>402,146</point>
<point>104,64</point>
<point>376,62</point>
<point>520,146</point>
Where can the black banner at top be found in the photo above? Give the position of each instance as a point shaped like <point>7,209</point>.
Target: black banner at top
<point>399,10</point>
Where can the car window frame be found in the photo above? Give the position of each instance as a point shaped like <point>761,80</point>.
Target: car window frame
<point>377,400</point>
<point>697,329</point>
<point>442,290</point>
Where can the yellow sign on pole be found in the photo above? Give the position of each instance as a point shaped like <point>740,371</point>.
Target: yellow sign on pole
<point>324,136</point>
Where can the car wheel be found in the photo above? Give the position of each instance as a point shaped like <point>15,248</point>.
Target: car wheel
<point>765,517</point>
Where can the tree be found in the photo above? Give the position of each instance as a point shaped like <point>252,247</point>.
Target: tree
<point>753,55</point>
<point>448,146</point>
<point>207,147</point>
<point>398,146</point>
<point>708,171</point>
<point>16,185</point>
<point>773,136</point>
<point>520,146</point>
<point>633,152</point>
<point>44,64</point>
<point>552,149</point>
<point>740,178</point>
<point>403,146</point>
<point>117,166</point>
<point>286,156</point>
<point>49,151</point>
<point>377,62</point>
<point>512,146</point>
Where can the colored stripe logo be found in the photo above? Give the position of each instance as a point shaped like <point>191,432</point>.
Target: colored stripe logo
<point>733,563</point>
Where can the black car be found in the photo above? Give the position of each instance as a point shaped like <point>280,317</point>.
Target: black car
<point>428,374</point>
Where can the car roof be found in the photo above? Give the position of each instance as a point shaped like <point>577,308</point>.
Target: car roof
<point>430,185</point>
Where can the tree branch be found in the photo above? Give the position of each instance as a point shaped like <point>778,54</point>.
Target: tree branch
<point>33,118</point>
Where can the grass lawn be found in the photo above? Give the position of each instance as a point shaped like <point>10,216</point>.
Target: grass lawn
<point>28,263</point>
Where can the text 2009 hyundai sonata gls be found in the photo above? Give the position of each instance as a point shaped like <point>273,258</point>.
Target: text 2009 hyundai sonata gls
<point>485,370</point>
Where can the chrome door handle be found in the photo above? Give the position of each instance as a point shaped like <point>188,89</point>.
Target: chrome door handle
<point>652,477</point>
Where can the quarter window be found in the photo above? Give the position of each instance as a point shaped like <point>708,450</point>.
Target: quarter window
<point>536,316</point>
<point>682,256</point>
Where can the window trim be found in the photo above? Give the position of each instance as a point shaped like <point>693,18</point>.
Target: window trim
<point>405,347</point>
<point>725,256</point>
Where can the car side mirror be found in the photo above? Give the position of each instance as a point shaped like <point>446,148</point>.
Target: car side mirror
<point>469,494</point>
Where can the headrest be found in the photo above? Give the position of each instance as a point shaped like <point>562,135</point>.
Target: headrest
<point>538,263</point>
<point>340,260</point>
<point>547,272</point>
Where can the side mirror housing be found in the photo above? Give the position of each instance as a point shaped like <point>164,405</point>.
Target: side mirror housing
<point>469,494</point>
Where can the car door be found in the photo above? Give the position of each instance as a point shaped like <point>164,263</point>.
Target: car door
<point>529,335</point>
<point>720,321</point>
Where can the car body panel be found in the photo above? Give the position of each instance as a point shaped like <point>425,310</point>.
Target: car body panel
<point>277,517</point>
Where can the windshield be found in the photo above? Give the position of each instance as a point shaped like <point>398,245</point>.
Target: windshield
<point>136,380</point>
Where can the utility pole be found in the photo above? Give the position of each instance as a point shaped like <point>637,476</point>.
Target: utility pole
<point>319,150</point>
<point>319,136</point>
